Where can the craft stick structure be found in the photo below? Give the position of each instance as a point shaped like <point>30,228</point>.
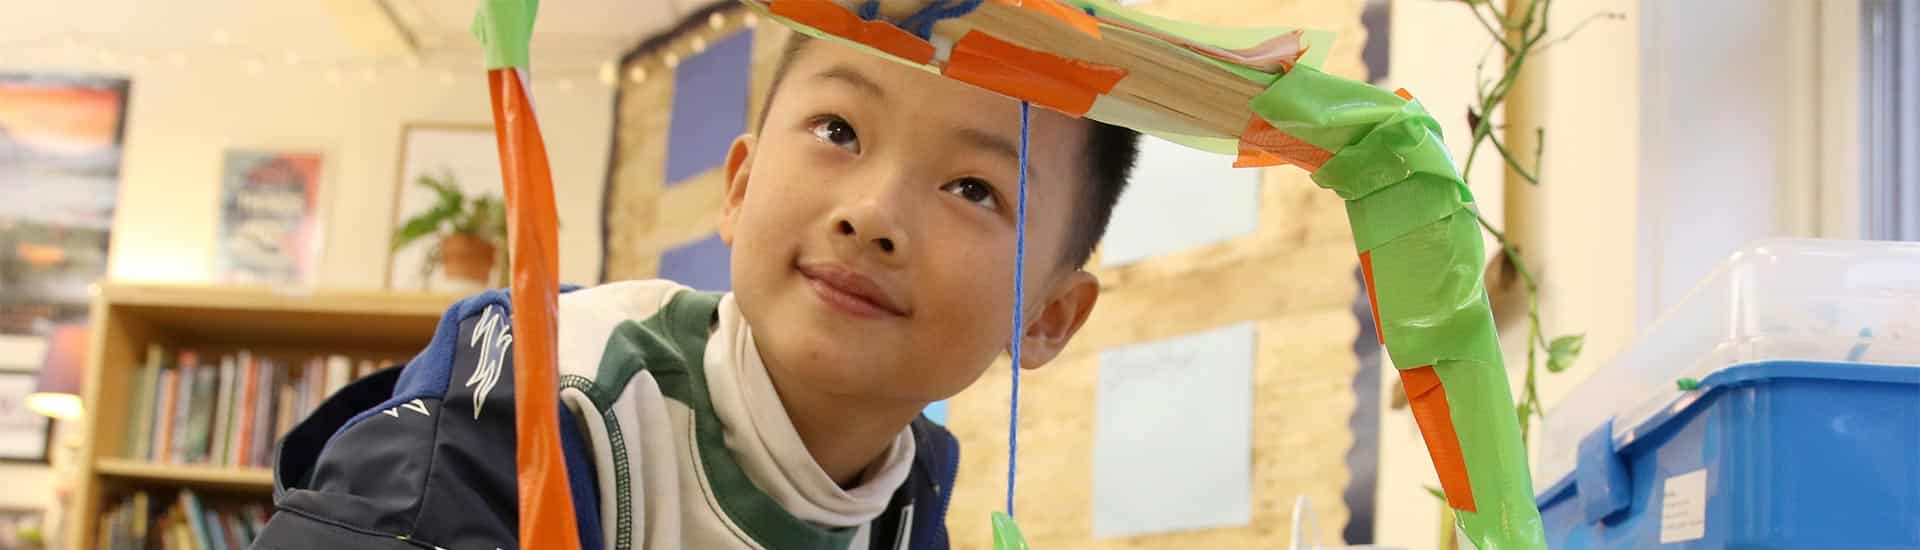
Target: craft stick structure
<point>1250,92</point>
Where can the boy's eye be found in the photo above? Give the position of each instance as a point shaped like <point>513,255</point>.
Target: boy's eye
<point>974,190</point>
<point>836,131</point>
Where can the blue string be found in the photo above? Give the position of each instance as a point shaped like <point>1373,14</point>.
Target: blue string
<point>921,22</point>
<point>870,10</point>
<point>1019,296</point>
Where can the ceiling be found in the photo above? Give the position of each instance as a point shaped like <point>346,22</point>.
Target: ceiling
<point>569,35</point>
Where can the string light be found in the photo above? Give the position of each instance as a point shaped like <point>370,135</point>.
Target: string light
<point>609,73</point>
<point>221,37</point>
<point>750,20</point>
<point>699,44</point>
<point>638,74</point>
<point>671,59</point>
<point>716,21</point>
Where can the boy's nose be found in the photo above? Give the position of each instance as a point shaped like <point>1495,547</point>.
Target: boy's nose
<point>869,234</point>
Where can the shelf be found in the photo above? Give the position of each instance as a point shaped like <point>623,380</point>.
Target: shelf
<point>266,317</point>
<point>256,479</point>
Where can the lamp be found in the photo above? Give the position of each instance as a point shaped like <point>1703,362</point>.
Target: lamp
<point>58,392</point>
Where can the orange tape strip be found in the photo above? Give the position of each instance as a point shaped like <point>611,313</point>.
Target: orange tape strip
<point>1373,300</point>
<point>1404,94</point>
<point>1051,81</point>
<point>1428,399</point>
<point>832,18</point>
<point>1263,145</point>
<point>1079,20</point>
<point>546,507</point>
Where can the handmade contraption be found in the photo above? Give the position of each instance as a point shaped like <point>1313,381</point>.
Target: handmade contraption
<point>1250,92</point>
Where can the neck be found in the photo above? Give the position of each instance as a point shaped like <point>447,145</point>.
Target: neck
<point>845,434</point>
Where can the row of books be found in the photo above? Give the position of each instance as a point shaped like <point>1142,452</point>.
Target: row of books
<point>229,411</point>
<point>143,522</point>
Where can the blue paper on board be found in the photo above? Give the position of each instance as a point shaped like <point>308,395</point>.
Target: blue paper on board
<point>709,107</point>
<point>937,412</point>
<point>701,264</point>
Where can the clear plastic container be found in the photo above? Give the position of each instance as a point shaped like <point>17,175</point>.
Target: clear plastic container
<point>1782,299</point>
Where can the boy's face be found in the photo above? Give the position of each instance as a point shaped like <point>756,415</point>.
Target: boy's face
<point>872,227</point>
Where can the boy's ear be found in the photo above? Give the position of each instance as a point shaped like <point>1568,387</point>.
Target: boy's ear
<point>739,165</point>
<point>1062,314</point>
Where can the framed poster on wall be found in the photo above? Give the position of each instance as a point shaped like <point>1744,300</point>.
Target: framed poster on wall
<point>269,217</point>
<point>24,434</point>
<point>60,152</point>
<point>448,224</point>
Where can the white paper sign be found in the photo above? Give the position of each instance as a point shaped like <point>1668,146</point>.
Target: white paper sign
<point>1173,445</point>
<point>1179,198</point>
<point>1683,507</point>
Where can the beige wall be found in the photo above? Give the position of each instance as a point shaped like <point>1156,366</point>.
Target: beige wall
<point>179,121</point>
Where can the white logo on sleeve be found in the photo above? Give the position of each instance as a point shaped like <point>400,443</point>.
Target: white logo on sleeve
<point>414,405</point>
<point>492,336</point>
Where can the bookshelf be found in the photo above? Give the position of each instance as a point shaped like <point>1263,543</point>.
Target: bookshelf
<point>130,319</point>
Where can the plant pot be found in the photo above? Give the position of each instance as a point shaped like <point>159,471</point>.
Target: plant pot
<point>466,258</point>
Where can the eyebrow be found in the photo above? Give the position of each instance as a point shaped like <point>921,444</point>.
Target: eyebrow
<point>996,144</point>
<point>852,78</point>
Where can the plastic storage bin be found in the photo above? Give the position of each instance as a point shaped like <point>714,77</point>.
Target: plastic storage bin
<point>1803,433</point>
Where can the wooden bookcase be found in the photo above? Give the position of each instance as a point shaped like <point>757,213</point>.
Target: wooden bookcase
<point>126,318</point>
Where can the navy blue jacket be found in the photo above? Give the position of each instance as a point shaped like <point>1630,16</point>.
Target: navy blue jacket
<point>397,461</point>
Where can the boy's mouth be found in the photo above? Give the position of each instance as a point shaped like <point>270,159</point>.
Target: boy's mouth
<point>849,291</point>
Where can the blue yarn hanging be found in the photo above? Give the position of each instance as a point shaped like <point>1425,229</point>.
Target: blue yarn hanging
<point>1019,299</point>
<point>921,22</point>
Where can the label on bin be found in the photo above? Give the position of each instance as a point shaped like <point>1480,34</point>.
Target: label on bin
<point>1683,507</point>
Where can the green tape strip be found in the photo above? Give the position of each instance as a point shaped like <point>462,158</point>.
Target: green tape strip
<point>1325,110</point>
<point>505,28</point>
<point>1432,305</point>
<point>1400,209</point>
<point>1006,533</point>
<point>1434,311</point>
<point>1407,143</point>
<point>1483,417</point>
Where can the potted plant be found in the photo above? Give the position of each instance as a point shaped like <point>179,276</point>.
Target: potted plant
<point>470,230</point>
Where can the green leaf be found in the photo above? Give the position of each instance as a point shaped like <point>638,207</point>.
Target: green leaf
<point>1436,492</point>
<point>1563,350</point>
<point>421,225</point>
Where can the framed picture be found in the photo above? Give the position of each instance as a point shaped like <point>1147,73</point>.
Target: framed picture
<point>59,183</point>
<point>24,434</point>
<point>22,529</point>
<point>269,216</point>
<point>449,216</point>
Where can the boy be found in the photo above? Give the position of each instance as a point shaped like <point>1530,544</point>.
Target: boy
<point>872,222</point>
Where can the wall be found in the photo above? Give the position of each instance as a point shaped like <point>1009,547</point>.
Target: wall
<point>180,119</point>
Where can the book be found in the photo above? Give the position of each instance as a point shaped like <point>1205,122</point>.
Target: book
<point>339,373</point>
<point>181,452</point>
<point>142,515</point>
<point>283,410</point>
<point>241,449</point>
<point>193,513</point>
<point>222,412</point>
<point>164,415</point>
<point>264,413</point>
<point>206,380</point>
<point>140,433</point>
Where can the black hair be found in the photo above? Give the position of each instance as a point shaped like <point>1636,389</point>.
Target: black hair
<point>1109,157</point>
